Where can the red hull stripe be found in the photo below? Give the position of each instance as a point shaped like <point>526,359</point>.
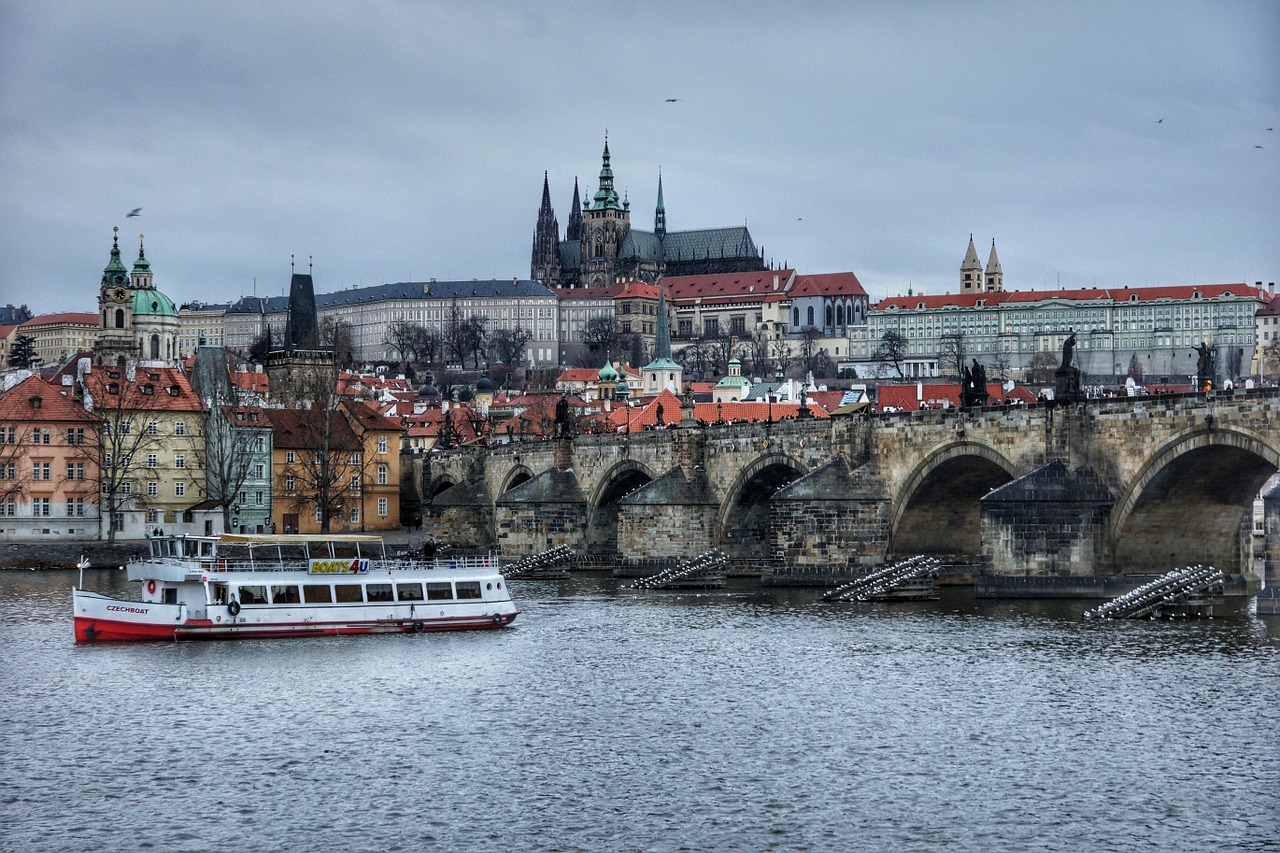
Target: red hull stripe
<point>92,630</point>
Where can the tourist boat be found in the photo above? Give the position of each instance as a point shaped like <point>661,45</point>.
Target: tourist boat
<point>227,586</point>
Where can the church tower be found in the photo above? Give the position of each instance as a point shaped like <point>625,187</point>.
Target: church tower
<point>115,310</point>
<point>663,372</point>
<point>301,370</point>
<point>971,270</point>
<point>605,223</point>
<point>994,275</point>
<point>574,231</point>
<point>545,266</point>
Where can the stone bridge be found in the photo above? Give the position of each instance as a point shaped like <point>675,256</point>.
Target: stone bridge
<point>1091,489</point>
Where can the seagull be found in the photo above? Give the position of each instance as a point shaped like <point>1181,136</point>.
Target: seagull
<point>1257,146</point>
<point>137,211</point>
<point>1159,121</point>
<point>672,100</point>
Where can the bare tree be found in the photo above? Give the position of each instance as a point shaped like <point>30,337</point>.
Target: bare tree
<point>1271,354</point>
<point>757,352</point>
<point>809,337</point>
<point>953,353</point>
<point>1000,365</point>
<point>892,352</point>
<point>1235,360</point>
<point>693,357</point>
<point>719,349</point>
<point>602,336</point>
<point>507,345</point>
<point>1041,368</point>
<point>338,336</point>
<point>231,448</point>
<point>120,405</point>
<point>13,441</point>
<point>402,337</point>
<point>780,351</point>
<point>1135,368</point>
<point>324,476</point>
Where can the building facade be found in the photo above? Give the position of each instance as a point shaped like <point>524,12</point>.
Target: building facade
<point>58,337</point>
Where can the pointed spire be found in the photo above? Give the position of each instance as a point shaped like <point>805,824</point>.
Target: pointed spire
<point>660,212</point>
<point>993,262</point>
<point>544,265</point>
<point>971,270</point>
<point>114,273</point>
<point>546,193</point>
<point>994,274</point>
<point>141,276</point>
<point>574,231</point>
<point>606,196</point>
<point>662,334</point>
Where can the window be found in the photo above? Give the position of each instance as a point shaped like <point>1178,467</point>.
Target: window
<point>409,591</point>
<point>41,470</point>
<point>319,516</point>
<point>126,487</point>
<point>8,435</point>
<point>8,471</point>
<point>42,507</point>
<point>439,592</point>
<point>381,592</point>
<point>152,460</point>
<point>75,507</point>
<point>126,428</point>
<point>75,435</point>
<point>382,444</point>
<point>41,435</point>
<point>355,457</point>
<point>382,507</point>
<point>253,595</point>
<point>153,428</point>
<point>153,489</point>
<point>285,594</point>
<point>288,483</point>
<point>348,593</point>
<point>289,457</point>
<point>382,475</point>
<point>179,489</point>
<point>179,461</point>
<point>355,515</point>
<point>314,593</point>
<point>9,508</point>
<point>355,482</point>
<point>258,471</point>
<point>180,428</point>
<point>257,498</point>
<point>468,589</point>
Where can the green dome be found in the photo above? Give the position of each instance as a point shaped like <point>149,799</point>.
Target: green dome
<point>151,302</point>
<point>607,373</point>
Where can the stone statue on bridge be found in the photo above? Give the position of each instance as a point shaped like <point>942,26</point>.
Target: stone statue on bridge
<point>1204,366</point>
<point>564,426</point>
<point>1069,350</point>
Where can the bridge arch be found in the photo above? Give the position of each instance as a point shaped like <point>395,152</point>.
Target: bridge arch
<point>1191,502</point>
<point>602,509</point>
<point>516,476</point>
<point>743,518</point>
<point>440,483</point>
<point>938,509</point>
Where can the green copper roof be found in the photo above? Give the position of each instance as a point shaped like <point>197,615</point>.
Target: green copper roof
<point>114,266</point>
<point>150,302</point>
<point>607,373</point>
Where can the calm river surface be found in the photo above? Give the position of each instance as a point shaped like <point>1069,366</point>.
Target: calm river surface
<point>608,719</point>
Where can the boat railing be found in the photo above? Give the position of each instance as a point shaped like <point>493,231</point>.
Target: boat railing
<point>394,564</point>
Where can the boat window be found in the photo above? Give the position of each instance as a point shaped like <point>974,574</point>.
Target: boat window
<point>253,595</point>
<point>409,591</point>
<point>439,592</point>
<point>468,589</point>
<point>378,592</point>
<point>348,592</point>
<point>171,595</point>
<point>218,592</point>
<point>284,594</point>
<point>314,593</point>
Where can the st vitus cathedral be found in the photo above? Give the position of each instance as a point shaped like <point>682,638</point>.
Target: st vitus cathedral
<point>600,247</point>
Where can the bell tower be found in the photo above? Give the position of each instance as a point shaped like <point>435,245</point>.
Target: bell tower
<point>115,310</point>
<point>605,222</point>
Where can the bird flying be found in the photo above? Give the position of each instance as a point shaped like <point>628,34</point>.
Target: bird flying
<point>672,100</point>
<point>137,211</point>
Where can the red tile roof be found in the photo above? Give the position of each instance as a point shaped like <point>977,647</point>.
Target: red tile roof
<point>161,389</point>
<point>904,397</point>
<point>828,284</point>
<point>1113,294</point>
<point>65,319</point>
<point>571,293</point>
<point>16,404</point>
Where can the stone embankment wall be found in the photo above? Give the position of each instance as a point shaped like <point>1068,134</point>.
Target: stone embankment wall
<point>65,555</point>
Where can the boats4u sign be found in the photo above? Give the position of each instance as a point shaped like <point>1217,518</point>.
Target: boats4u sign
<point>354,566</point>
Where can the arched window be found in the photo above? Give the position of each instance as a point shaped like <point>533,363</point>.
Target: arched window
<point>828,314</point>
<point>155,346</point>
<point>810,315</point>
<point>795,318</point>
<point>119,318</point>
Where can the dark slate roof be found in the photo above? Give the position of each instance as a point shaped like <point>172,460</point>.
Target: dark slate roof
<point>259,305</point>
<point>571,254</point>
<point>690,245</point>
<point>1053,482</point>
<point>485,288</point>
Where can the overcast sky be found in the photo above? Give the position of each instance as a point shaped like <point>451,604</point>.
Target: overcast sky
<point>1099,144</point>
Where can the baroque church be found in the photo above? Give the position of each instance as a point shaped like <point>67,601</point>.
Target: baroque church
<point>600,248</point>
<point>136,322</point>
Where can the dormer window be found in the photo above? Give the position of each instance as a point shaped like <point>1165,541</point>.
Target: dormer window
<point>147,389</point>
<point>1133,297</point>
<point>1195,294</point>
<point>174,390</point>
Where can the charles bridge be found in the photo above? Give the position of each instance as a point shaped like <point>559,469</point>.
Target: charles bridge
<point>1048,494</point>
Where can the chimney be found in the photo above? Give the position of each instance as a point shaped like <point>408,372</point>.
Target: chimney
<point>515,282</point>
<point>1271,289</point>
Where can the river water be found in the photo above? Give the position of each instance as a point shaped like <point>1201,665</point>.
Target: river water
<point>609,719</point>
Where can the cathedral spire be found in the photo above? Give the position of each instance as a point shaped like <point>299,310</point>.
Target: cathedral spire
<point>606,197</point>
<point>574,231</point>
<point>660,212</point>
<point>545,263</point>
<point>115,273</point>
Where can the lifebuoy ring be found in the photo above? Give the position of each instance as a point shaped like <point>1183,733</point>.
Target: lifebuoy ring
<point>497,619</point>
<point>418,627</point>
<point>151,586</point>
<point>233,607</point>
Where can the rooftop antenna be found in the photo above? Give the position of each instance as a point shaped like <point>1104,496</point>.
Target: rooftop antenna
<point>291,266</point>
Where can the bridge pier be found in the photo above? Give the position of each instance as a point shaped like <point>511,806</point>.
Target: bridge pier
<point>1269,598</point>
